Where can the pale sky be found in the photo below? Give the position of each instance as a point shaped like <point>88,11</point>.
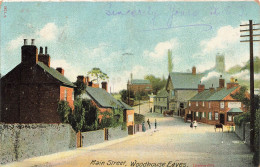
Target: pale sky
<point>124,37</point>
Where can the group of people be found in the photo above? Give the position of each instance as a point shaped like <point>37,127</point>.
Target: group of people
<point>149,124</point>
<point>194,124</point>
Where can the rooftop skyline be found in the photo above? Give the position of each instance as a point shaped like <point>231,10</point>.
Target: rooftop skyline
<point>120,38</point>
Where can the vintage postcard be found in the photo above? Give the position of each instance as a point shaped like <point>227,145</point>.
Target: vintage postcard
<point>129,83</point>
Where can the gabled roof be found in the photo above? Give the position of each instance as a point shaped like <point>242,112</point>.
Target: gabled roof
<point>207,95</point>
<point>221,94</point>
<point>102,97</point>
<point>140,82</point>
<point>57,75</point>
<point>125,106</point>
<point>202,96</point>
<point>185,80</point>
<point>162,93</point>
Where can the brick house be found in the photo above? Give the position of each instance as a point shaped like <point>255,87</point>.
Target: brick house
<point>31,91</point>
<point>181,87</point>
<point>215,106</point>
<point>139,85</point>
<point>161,101</point>
<point>105,102</point>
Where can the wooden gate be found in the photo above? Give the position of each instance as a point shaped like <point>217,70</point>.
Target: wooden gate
<point>130,130</point>
<point>79,139</point>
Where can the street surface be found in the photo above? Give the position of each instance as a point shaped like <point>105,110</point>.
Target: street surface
<point>172,144</point>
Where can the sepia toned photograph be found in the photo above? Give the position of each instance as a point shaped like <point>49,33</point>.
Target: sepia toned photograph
<point>129,83</point>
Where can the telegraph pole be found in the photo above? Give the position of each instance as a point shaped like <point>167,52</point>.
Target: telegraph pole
<point>252,100</point>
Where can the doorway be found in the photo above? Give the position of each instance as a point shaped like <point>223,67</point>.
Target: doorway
<point>222,118</point>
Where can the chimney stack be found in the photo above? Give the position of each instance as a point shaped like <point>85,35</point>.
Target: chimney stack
<point>29,54</point>
<point>212,89</point>
<point>104,85</point>
<point>81,78</point>
<point>32,42</point>
<point>45,58</point>
<point>25,42</point>
<point>233,83</point>
<point>221,82</point>
<point>193,70</point>
<point>61,70</point>
<point>201,87</point>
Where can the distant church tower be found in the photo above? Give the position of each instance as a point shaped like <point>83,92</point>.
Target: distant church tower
<point>220,63</point>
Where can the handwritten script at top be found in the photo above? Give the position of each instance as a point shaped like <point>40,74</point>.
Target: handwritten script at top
<point>156,16</point>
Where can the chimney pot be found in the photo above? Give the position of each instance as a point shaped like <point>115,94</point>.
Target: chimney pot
<point>41,50</point>
<point>104,85</point>
<point>60,70</point>
<point>32,42</point>
<point>25,42</point>
<point>46,50</point>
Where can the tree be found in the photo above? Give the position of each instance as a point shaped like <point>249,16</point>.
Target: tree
<point>125,95</point>
<point>157,83</point>
<point>64,111</point>
<point>241,96</point>
<point>81,87</point>
<point>98,74</point>
<point>170,64</point>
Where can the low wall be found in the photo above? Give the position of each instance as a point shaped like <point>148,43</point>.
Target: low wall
<point>116,133</point>
<point>92,138</point>
<point>243,132</point>
<point>21,141</point>
<point>95,137</point>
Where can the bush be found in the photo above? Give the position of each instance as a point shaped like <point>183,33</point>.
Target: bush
<point>239,119</point>
<point>64,111</point>
<point>139,118</point>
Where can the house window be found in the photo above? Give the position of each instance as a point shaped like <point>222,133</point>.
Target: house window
<point>203,114</point>
<point>203,104</point>
<point>229,118</point>
<point>189,103</point>
<point>197,103</point>
<point>172,93</point>
<point>216,116</point>
<point>197,114</point>
<point>73,95</point>
<point>222,104</point>
<point>210,115</point>
<point>189,111</point>
<point>209,104</point>
<point>65,95</point>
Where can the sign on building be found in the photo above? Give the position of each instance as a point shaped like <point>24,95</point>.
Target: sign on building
<point>234,104</point>
<point>130,118</point>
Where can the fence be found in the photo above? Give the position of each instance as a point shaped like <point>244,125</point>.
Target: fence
<point>243,132</point>
<point>21,141</point>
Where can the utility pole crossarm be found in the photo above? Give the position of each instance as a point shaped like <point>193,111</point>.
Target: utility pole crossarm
<point>249,35</point>
<point>249,41</point>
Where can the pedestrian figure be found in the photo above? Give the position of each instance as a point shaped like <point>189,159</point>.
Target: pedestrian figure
<point>148,122</point>
<point>191,124</point>
<point>155,123</point>
<point>195,124</point>
<point>143,127</point>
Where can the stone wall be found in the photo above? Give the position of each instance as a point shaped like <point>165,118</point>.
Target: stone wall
<point>21,141</point>
<point>116,133</point>
<point>92,137</point>
<point>95,137</point>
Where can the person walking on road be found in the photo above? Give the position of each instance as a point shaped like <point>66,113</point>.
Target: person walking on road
<point>148,122</point>
<point>195,124</point>
<point>155,123</point>
<point>191,124</point>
